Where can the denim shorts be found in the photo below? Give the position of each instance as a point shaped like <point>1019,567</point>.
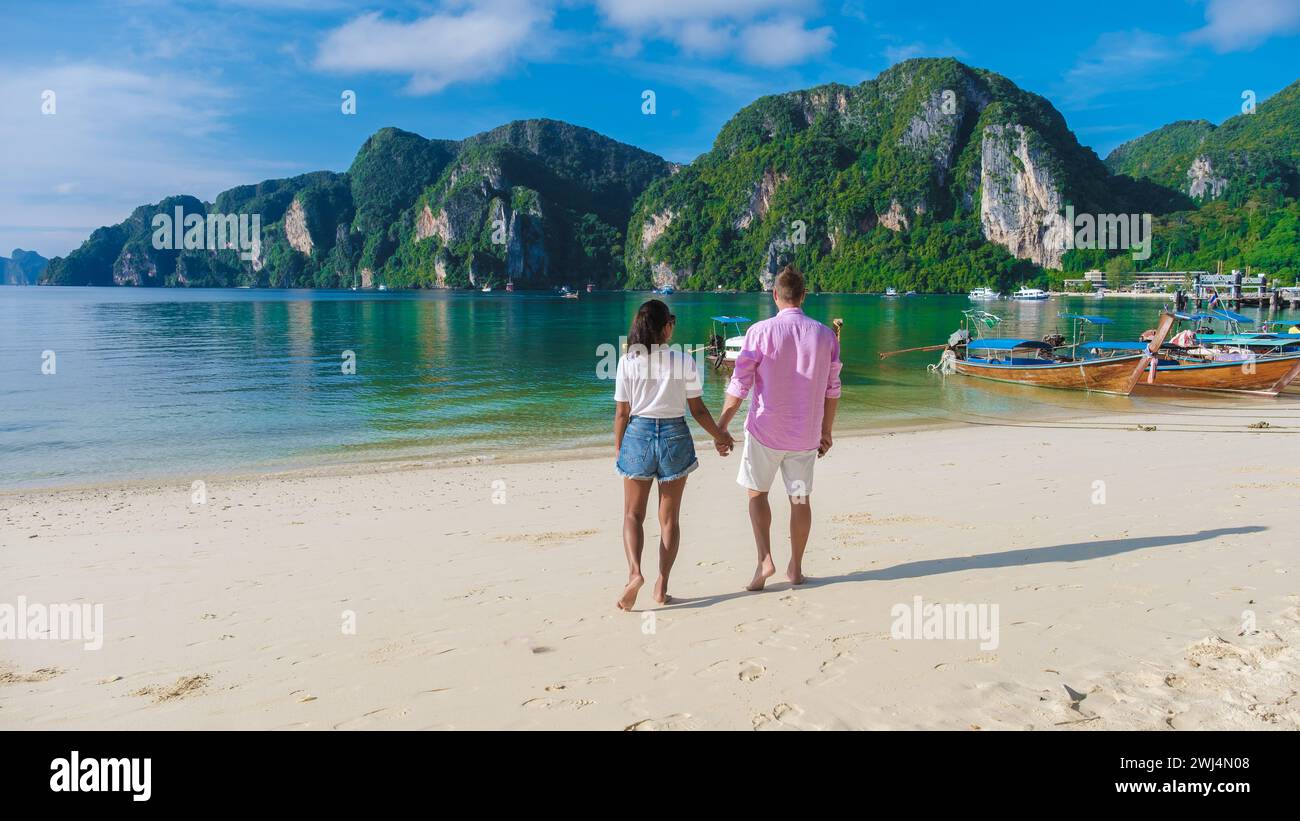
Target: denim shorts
<point>656,449</point>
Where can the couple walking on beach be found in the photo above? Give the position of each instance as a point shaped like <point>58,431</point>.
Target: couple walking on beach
<point>789,368</point>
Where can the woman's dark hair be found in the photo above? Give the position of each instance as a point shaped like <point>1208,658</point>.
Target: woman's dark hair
<point>649,326</point>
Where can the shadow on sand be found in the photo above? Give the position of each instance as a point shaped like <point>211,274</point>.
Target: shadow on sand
<point>1073,552</point>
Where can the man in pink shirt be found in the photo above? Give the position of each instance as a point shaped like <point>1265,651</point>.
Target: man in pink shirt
<point>789,368</point>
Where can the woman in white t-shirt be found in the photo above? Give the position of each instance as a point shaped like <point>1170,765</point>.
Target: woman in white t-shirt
<point>654,386</point>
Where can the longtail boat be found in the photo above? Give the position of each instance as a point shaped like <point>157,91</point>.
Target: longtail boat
<point>1259,375</point>
<point>1037,363</point>
<point>1267,341</point>
<point>727,338</point>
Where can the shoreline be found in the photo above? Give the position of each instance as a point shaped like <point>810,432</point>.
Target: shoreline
<point>325,466</point>
<point>482,596</point>
<point>308,467</point>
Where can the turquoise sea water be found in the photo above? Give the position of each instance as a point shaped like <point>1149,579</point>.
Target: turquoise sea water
<point>182,382</point>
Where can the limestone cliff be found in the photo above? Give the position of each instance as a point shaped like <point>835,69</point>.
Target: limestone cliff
<point>1021,206</point>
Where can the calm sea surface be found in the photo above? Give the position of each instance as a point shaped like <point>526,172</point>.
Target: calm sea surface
<point>181,382</point>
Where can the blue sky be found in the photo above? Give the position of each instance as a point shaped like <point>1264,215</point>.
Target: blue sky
<point>155,97</point>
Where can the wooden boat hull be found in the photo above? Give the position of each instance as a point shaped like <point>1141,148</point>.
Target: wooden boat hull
<point>1265,377</point>
<point>721,363</point>
<point>1114,375</point>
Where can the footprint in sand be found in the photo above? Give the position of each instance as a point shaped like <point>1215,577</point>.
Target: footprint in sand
<point>784,638</point>
<point>370,719</point>
<point>842,659</point>
<point>579,681</point>
<point>557,703</point>
<point>783,717</point>
<point>751,670</point>
<point>746,626</point>
<point>717,668</point>
<point>676,721</point>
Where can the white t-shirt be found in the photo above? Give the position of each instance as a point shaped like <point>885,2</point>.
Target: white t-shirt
<point>657,384</point>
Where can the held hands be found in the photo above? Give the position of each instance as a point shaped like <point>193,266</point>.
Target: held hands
<point>723,443</point>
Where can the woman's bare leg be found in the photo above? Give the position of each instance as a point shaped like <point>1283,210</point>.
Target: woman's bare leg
<point>636,495</point>
<point>670,534</point>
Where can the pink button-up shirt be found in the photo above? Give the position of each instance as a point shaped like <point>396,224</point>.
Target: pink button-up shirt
<point>788,367</point>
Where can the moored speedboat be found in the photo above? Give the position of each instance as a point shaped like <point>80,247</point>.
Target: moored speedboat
<point>1029,295</point>
<point>890,293</point>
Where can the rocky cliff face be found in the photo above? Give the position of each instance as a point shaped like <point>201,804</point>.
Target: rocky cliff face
<point>22,268</point>
<point>539,201</point>
<point>760,198</point>
<point>1202,183</point>
<point>1253,151</point>
<point>295,229</point>
<point>928,143</point>
<point>1021,205</point>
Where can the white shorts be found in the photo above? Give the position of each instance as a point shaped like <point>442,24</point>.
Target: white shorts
<point>759,463</point>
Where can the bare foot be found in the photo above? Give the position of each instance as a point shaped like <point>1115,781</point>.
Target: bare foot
<point>762,574</point>
<point>661,591</point>
<point>629,592</point>
<point>795,576</point>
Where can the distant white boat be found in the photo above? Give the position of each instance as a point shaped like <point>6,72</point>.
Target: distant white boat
<point>383,287</point>
<point>891,292</point>
<point>1029,294</point>
<point>487,289</point>
<point>984,294</point>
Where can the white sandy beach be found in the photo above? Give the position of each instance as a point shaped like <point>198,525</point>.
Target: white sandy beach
<point>472,614</point>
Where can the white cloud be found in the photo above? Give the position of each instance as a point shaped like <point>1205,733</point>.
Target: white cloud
<point>1234,25</point>
<point>1121,61</point>
<point>660,14</point>
<point>462,42</point>
<point>765,33</point>
<point>783,42</point>
<point>117,139</point>
<point>703,38</point>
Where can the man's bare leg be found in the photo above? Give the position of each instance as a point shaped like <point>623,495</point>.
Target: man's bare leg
<point>760,519</point>
<point>636,495</point>
<point>800,528</point>
<point>670,534</point>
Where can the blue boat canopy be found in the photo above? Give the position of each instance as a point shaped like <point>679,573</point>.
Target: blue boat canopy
<point>1115,346</point>
<point>1006,344</point>
<point>730,319</point>
<point>1194,317</point>
<point>1095,320</point>
<point>1223,313</point>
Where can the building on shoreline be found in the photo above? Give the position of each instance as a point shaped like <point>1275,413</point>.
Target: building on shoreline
<point>1145,282</point>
